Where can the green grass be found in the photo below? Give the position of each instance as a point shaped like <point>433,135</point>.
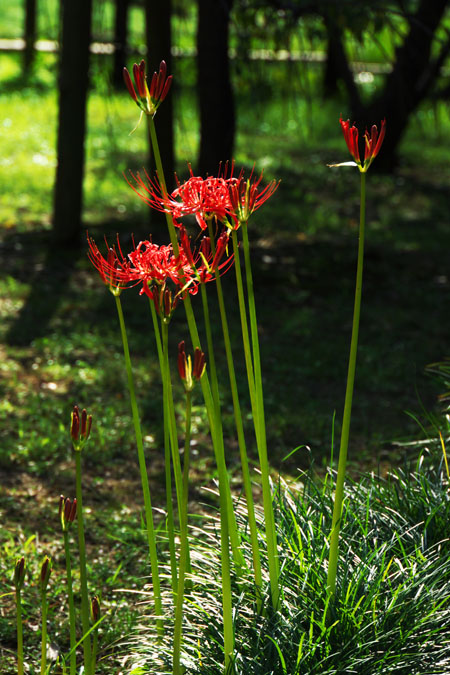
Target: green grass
<point>391,610</point>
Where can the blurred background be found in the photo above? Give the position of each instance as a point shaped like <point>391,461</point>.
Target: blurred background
<point>262,82</point>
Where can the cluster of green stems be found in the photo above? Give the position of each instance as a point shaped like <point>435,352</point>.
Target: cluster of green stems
<point>231,553</point>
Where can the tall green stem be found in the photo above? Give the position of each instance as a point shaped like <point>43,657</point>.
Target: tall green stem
<point>234,537</point>
<point>239,425</point>
<point>172,419</point>
<point>272,553</point>
<point>184,547</point>
<point>228,527</point>
<point>143,469</point>
<point>339,493</point>
<point>44,634</point>
<point>72,625</point>
<point>19,633</point>
<point>167,457</point>
<point>211,356</point>
<point>244,325</point>
<point>83,574</point>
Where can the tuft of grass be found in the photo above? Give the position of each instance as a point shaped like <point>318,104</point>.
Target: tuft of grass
<point>391,612</point>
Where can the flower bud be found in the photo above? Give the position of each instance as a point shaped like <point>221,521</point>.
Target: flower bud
<point>80,428</point>
<point>67,512</point>
<point>190,374</point>
<point>95,609</point>
<point>199,364</point>
<point>19,573</point>
<point>148,99</point>
<point>46,569</point>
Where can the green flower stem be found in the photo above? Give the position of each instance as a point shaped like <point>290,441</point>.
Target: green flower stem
<point>72,624</point>
<point>83,574</point>
<point>184,547</point>
<point>211,357</point>
<point>143,471</point>
<point>234,538</point>
<point>214,423</point>
<point>239,425</point>
<point>173,421</point>
<point>228,524</point>
<point>157,333</point>
<point>94,649</point>
<point>339,493</point>
<point>167,458</point>
<point>272,553</point>
<point>44,634</point>
<point>19,633</point>
<point>244,324</point>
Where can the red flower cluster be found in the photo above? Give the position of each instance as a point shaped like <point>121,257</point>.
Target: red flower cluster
<point>165,277</point>
<point>372,143</point>
<point>230,200</point>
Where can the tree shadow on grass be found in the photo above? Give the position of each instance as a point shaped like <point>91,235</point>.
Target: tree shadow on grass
<point>31,258</point>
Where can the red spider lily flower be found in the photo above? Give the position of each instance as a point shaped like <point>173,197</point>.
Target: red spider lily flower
<point>153,264</point>
<point>246,196</point>
<point>148,99</point>
<point>203,262</point>
<point>80,428</point>
<point>372,143</point>
<point>115,270</point>
<point>203,198</point>
<point>188,373</point>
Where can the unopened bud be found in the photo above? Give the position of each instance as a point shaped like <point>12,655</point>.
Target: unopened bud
<point>80,428</point>
<point>95,609</point>
<point>46,569</point>
<point>190,374</point>
<point>67,512</point>
<point>19,573</point>
<point>199,364</point>
<point>182,360</point>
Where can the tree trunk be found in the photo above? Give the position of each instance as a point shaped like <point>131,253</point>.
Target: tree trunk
<point>73,84</point>
<point>159,45</point>
<point>217,115</point>
<point>337,67</point>
<point>409,82</point>
<point>120,42</point>
<point>29,35</point>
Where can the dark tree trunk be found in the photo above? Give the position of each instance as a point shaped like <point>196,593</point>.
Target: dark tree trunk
<point>159,45</point>
<point>337,67</point>
<point>217,115</point>
<point>410,81</point>
<point>120,42</point>
<point>29,35</point>
<point>73,84</point>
